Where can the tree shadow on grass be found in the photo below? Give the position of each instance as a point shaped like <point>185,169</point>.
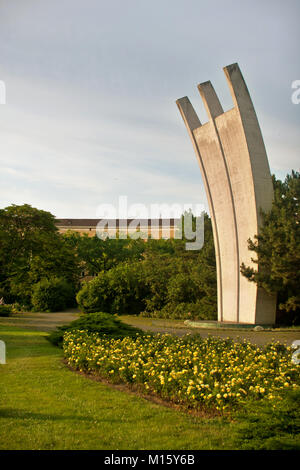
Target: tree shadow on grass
<point>23,414</point>
<point>17,414</point>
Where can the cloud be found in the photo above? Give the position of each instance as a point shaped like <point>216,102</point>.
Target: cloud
<point>91,112</point>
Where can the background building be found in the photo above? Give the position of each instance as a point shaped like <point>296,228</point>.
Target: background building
<point>156,228</point>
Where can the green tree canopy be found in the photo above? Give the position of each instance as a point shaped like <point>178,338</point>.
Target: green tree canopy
<point>277,248</point>
<point>31,248</point>
<point>95,254</point>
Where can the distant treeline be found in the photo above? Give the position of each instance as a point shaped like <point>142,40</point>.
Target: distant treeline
<point>41,269</point>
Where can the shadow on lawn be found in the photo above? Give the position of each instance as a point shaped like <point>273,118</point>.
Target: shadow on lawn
<point>22,414</point>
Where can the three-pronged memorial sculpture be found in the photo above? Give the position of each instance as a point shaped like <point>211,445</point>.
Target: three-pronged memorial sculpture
<point>236,175</point>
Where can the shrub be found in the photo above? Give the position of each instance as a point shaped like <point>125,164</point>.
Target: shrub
<point>94,295</point>
<point>18,308</point>
<point>51,295</point>
<point>5,310</point>
<point>5,295</point>
<point>169,282</point>
<point>160,286</point>
<point>199,310</point>
<point>98,322</point>
<point>180,289</point>
<point>266,426</point>
<point>158,271</point>
<point>121,290</point>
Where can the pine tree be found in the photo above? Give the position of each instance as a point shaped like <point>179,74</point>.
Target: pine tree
<point>278,249</point>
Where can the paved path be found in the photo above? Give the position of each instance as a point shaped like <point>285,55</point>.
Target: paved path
<point>41,321</point>
<point>49,321</point>
<point>260,338</point>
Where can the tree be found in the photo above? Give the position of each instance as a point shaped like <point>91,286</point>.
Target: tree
<point>277,249</point>
<point>95,254</point>
<point>167,281</point>
<point>31,249</point>
<point>51,295</point>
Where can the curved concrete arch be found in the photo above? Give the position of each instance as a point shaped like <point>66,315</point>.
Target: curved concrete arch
<point>236,175</point>
<point>192,123</point>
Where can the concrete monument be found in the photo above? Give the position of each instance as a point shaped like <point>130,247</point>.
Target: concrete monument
<point>236,175</point>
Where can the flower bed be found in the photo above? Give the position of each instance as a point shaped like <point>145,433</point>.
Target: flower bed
<point>213,372</point>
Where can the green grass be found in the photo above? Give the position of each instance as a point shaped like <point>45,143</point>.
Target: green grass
<point>44,405</point>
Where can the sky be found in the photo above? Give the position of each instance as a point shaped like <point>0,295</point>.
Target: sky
<point>91,86</point>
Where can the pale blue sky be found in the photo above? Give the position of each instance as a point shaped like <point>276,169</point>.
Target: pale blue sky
<point>91,87</point>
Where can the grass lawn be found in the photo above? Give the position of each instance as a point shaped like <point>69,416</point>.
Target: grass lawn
<point>44,405</point>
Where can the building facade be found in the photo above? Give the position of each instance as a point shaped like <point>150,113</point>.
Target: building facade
<point>139,228</point>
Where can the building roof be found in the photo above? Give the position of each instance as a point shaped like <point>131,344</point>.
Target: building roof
<point>119,222</point>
